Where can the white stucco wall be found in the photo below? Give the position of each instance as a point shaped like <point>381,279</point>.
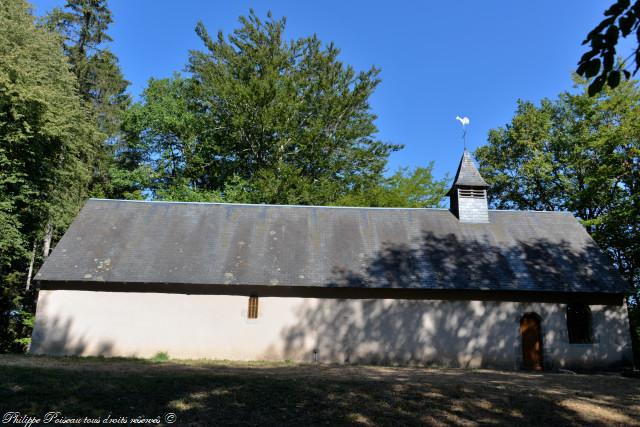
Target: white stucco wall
<point>453,333</point>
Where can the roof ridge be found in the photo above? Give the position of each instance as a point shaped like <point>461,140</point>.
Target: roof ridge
<point>312,206</point>
<point>262,204</point>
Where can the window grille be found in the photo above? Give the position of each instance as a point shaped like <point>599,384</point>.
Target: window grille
<point>253,307</point>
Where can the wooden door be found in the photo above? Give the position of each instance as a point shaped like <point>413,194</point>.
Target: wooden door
<point>531,342</point>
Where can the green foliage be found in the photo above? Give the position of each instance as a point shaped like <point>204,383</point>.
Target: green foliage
<point>28,321</point>
<point>180,191</point>
<point>160,356</point>
<point>47,142</point>
<point>260,120</point>
<point>406,188</point>
<point>622,19</point>
<point>576,153</point>
<point>161,139</point>
<point>83,26</point>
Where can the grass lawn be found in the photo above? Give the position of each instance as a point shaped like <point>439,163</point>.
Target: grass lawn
<point>220,393</point>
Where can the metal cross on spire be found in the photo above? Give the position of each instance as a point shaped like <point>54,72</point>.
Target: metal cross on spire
<point>464,121</point>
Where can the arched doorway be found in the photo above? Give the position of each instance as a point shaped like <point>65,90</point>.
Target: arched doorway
<point>531,342</point>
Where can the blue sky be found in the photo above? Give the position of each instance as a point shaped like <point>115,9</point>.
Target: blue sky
<point>438,59</point>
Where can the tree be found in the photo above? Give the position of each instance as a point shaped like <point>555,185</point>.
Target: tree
<point>622,19</point>
<point>580,154</point>
<point>83,25</point>
<point>261,120</point>
<point>47,142</point>
<point>164,137</point>
<point>406,188</point>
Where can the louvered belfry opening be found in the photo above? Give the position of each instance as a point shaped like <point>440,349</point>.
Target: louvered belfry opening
<point>468,194</point>
<point>472,193</point>
<point>252,313</point>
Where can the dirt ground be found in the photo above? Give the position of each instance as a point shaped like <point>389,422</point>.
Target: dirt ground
<point>266,393</point>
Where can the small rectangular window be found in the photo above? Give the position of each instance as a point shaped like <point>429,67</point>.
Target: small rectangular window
<point>579,324</point>
<point>253,307</point>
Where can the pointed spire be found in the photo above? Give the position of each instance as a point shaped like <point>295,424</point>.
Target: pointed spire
<point>467,174</point>
<point>468,194</point>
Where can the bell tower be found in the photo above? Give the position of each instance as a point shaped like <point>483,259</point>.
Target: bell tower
<point>468,194</point>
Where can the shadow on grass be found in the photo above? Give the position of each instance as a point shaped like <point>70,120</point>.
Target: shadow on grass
<point>280,394</point>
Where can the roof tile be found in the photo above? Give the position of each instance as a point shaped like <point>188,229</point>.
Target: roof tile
<point>201,243</point>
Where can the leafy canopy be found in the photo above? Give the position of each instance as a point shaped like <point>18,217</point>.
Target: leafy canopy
<point>83,25</point>
<point>582,154</point>
<point>47,142</point>
<point>407,188</point>
<point>260,120</point>
<point>622,19</point>
<point>575,153</point>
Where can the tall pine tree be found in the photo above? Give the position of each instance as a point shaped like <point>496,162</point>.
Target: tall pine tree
<point>83,25</point>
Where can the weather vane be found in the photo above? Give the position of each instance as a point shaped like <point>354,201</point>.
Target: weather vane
<point>464,121</point>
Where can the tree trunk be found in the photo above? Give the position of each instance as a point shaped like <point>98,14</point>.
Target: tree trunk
<point>46,243</point>
<point>33,259</point>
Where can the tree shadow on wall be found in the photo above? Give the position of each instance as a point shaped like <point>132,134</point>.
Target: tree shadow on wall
<point>59,336</point>
<point>451,332</point>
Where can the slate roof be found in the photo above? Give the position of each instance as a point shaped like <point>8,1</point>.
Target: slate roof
<point>214,244</point>
<point>467,174</point>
